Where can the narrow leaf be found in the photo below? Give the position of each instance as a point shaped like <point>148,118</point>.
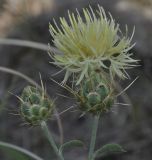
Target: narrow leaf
<point>108,149</point>
<point>17,153</point>
<point>70,144</point>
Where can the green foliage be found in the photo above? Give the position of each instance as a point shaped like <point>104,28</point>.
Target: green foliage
<point>70,144</point>
<point>108,149</point>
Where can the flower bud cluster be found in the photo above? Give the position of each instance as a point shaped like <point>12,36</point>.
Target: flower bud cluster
<point>96,95</point>
<point>35,105</point>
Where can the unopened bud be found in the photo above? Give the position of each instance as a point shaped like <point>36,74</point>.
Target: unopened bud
<point>35,105</point>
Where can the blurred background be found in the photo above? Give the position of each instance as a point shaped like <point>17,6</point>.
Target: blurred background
<point>130,126</point>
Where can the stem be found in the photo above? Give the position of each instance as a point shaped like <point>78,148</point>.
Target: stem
<point>60,127</point>
<point>14,72</point>
<point>19,149</point>
<point>30,44</point>
<point>93,136</point>
<point>50,139</point>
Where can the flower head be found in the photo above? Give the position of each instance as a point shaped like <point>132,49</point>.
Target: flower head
<point>35,105</point>
<point>87,43</point>
<point>96,95</point>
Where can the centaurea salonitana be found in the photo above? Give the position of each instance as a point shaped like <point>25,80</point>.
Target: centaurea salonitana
<point>87,43</point>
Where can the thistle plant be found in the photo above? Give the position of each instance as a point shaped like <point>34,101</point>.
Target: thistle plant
<point>95,52</point>
<point>36,109</point>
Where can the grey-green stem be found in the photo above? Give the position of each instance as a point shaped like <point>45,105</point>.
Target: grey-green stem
<point>93,136</point>
<point>48,135</point>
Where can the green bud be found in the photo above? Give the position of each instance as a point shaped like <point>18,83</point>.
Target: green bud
<point>43,112</point>
<point>35,105</point>
<point>93,98</point>
<point>96,94</point>
<point>34,110</point>
<point>25,109</point>
<point>34,98</point>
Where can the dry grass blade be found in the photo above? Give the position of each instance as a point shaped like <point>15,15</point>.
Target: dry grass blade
<point>14,72</point>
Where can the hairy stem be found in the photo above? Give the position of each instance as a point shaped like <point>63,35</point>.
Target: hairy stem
<point>93,136</point>
<point>50,139</point>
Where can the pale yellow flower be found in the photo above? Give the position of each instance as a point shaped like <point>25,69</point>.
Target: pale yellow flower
<point>90,42</point>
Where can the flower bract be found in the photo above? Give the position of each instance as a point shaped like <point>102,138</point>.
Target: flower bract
<point>96,95</point>
<point>35,105</point>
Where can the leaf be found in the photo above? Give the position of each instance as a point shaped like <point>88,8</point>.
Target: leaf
<point>72,143</point>
<point>17,153</point>
<point>108,149</point>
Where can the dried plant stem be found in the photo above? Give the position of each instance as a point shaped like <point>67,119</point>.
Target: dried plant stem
<point>25,43</point>
<point>11,71</point>
<point>50,139</point>
<point>93,136</point>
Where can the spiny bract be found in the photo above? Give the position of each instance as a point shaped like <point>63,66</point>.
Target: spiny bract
<point>35,105</point>
<point>96,95</point>
<point>87,43</point>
